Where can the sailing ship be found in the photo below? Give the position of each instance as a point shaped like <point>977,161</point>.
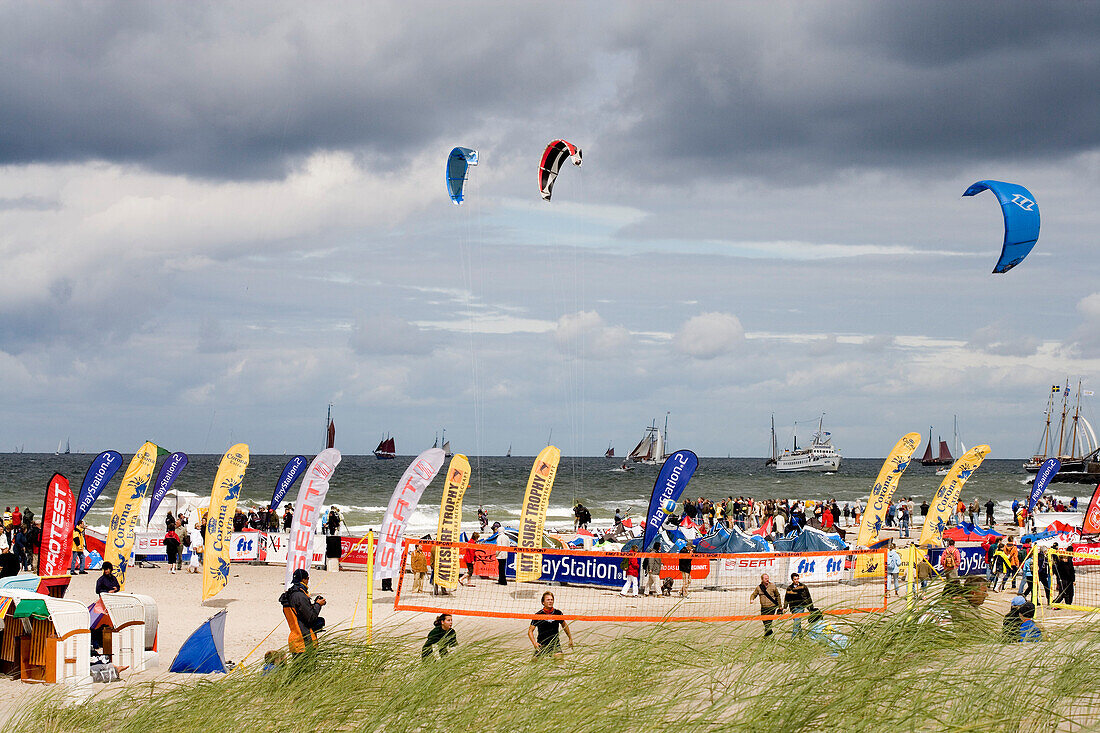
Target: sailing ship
<point>610,452</point>
<point>1077,445</point>
<point>509,453</point>
<point>59,451</point>
<point>446,445</point>
<point>775,447</point>
<point>330,429</point>
<point>386,450</point>
<point>960,448</point>
<point>943,459</point>
<point>821,456</point>
<point>651,448</point>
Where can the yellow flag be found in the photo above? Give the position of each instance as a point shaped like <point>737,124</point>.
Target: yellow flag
<point>533,517</point>
<point>127,512</point>
<point>947,495</point>
<point>883,490</point>
<point>450,522</point>
<point>219,520</point>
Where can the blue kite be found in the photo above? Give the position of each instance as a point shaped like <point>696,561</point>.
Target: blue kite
<point>1021,213</point>
<point>458,163</point>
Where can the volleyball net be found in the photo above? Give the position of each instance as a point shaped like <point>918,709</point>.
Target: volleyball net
<point>589,585</point>
<point>1074,579</point>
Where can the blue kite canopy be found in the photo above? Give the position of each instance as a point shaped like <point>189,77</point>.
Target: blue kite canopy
<point>1021,213</point>
<point>458,163</point>
<point>204,650</point>
<point>810,540</point>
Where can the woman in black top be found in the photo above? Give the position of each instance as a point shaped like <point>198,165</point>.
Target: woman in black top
<point>443,634</point>
<point>547,641</point>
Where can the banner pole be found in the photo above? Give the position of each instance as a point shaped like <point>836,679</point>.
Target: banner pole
<point>910,573</point>
<point>370,585</point>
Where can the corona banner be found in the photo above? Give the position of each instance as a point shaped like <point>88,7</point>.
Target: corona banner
<point>402,504</point>
<point>56,551</point>
<point>219,520</point>
<point>307,509</point>
<point>947,495</point>
<point>446,566</point>
<point>127,512</point>
<point>533,516</point>
<point>885,486</point>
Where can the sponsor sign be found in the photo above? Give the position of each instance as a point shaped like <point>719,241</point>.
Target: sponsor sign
<point>307,509</point>
<point>55,551</point>
<point>272,549</point>
<point>818,568</point>
<point>1089,548</point>
<point>973,560</point>
<point>535,503</point>
<point>450,522</point>
<point>871,565</point>
<point>402,504</point>
<point>885,485</point>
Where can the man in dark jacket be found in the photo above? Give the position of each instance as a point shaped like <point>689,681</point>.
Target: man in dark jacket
<point>303,615</point>
<point>770,604</point>
<point>1066,575</point>
<point>797,600</point>
<point>107,582</point>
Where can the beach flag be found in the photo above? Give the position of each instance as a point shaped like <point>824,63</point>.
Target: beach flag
<point>885,486</point>
<point>1091,524</point>
<point>99,474</point>
<point>219,520</point>
<point>127,512</point>
<point>204,650</point>
<point>56,549</point>
<point>532,519</point>
<point>311,494</point>
<point>402,504</point>
<point>947,495</point>
<point>446,566</point>
<point>1043,478</point>
<point>291,471</point>
<point>169,472</point>
<point>671,481</point>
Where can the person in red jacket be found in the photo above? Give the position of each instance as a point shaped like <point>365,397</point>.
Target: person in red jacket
<point>469,557</point>
<point>630,566</point>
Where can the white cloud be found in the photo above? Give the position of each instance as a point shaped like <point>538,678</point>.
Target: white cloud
<point>384,333</point>
<point>585,334</point>
<point>709,335</point>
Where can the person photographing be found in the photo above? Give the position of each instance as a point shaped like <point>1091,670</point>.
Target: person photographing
<point>303,615</point>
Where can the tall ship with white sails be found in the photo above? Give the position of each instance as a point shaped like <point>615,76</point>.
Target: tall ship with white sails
<point>1073,443</point>
<point>651,448</point>
<point>821,456</point>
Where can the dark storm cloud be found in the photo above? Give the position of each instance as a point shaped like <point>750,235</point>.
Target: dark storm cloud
<point>783,92</point>
<point>241,90</point>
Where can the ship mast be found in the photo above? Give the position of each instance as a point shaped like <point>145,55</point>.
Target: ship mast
<point>1062,427</point>
<point>1076,415</point>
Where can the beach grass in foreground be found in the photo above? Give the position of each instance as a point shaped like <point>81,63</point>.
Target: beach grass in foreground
<point>943,667</point>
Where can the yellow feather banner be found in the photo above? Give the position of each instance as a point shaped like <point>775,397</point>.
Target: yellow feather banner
<point>533,518</point>
<point>450,522</point>
<point>219,520</point>
<point>947,495</point>
<point>883,490</point>
<point>127,512</point>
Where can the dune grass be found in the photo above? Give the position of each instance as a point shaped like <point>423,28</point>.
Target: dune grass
<point>949,671</point>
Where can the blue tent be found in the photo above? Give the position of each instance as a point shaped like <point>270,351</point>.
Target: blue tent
<point>732,540</point>
<point>810,540</point>
<point>204,650</point>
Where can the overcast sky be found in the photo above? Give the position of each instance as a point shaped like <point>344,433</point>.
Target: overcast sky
<point>217,218</point>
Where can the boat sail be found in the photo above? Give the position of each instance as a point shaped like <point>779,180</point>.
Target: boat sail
<point>446,445</point>
<point>943,459</point>
<point>651,448</point>
<point>330,429</point>
<point>1076,438</point>
<point>610,452</point>
<point>58,451</point>
<point>958,444</point>
<point>775,447</point>
<point>509,453</point>
<point>822,455</point>
<point>386,449</point>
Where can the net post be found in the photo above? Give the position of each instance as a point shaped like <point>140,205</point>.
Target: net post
<point>910,573</point>
<point>370,585</point>
<point>1035,573</point>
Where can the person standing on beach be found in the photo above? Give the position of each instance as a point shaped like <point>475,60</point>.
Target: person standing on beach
<point>631,568</point>
<point>171,548</point>
<point>77,563</point>
<point>546,641</point>
<point>652,568</point>
<point>893,565</point>
<point>903,522</point>
<point>797,600</point>
<point>502,554</point>
<point>1067,576</point>
<point>950,561</point>
<point>441,638</point>
<point>770,604</point>
<point>302,614</point>
<point>685,569</point>
<point>469,557</point>
<point>989,513</point>
<point>419,566</point>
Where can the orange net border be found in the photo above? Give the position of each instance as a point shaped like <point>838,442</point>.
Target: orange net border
<point>407,542</point>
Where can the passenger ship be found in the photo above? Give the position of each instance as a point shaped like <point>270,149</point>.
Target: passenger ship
<point>821,456</point>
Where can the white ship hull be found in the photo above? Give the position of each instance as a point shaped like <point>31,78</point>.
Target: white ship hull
<point>820,464</point>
